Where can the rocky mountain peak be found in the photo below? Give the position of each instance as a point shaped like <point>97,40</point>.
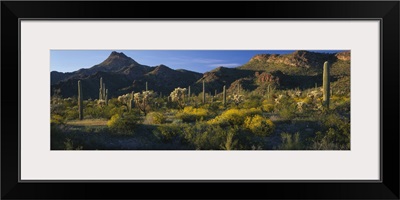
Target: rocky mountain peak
<point>118,59</point>
<point>345,55</point>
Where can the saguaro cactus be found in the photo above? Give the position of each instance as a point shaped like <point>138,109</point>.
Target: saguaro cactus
<point>106,98</point>
<point>326,85</point>
<point>204,92</point>
<point>131,101</point>
<point>189,99</point>
<point>80,100</point>
<point>224,95</point>
<point>101,89</point>
<point>147,87</point>
<point>104,91</point>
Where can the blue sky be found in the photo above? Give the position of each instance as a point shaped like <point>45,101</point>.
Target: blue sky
<point>194,60</point>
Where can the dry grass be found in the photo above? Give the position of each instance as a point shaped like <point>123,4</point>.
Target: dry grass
<point>88,122</point>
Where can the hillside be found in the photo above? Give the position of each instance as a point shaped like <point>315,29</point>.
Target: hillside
<point>122,74</point>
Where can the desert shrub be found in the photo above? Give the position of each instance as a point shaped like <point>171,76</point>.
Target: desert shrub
<point>267,106</point>
<point>191,114</point>
<point>230,142</point>
<point>56,119</point>
<point>212,108</point>
<point>288,113</point>
<point>123,124</point>
<point>286,107</point>
<point>259,125</point>
<point>291,142</point>
<point>58,108</point>
<point>72,113</point>
<point>115,110</point>
<point>252,102</point>
<point>155,118</point>
<point>230,117</point>
<point>234,116</point>
<point>170,131</point>
<point>328,141</point>
<point>69,145</point>
<point>205,136</point>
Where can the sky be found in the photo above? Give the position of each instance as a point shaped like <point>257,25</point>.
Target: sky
<point>194,60</point>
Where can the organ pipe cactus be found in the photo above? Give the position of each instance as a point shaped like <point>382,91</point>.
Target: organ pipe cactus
<point>326,85</point>
<point>80,100</point>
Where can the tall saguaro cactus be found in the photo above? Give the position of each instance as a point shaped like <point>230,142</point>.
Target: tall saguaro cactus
<point>204,92</point>
<point>147,89</point>
<point>80,100</point>
<point>106,98</point>
<point>101,89</point>
<point>104,91</point>
<point>224,95</point>
<point>189,99</point>
<point>326,85</point>
<point>131,101</point>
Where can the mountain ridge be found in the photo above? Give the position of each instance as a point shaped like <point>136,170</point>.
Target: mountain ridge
<point>123,74</point>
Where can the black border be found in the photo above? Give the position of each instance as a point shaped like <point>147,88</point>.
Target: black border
<point>387,11</point>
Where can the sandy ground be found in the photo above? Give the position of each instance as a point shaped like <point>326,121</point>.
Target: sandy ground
<point>88,122</point>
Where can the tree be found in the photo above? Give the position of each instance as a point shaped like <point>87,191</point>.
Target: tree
<point>237,99</point>
<point>178,95</point>
<point>143,100</point>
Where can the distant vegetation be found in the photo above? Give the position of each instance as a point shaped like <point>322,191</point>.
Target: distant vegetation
<point>266,104</point>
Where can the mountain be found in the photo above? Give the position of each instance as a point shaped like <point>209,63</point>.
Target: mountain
<point>297,63</point>
<point>114,63</point>
<point>122,74</point>
<point>300,69</point>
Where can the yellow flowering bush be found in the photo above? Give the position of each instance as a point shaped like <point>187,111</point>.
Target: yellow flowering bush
<point>259,125</point>
<point>234,116</point>
<point>190,114</point>
<point>123,124</point>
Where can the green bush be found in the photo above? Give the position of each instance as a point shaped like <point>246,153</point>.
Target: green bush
<point>56,119</point>
<point>169,131</point>
<point>254,101</point>
<point>69,145</point>
<point>123,124</point>
<point>286,107</point>
<point>155,118</point>
<point>291,142</point>
<point>205,136</point>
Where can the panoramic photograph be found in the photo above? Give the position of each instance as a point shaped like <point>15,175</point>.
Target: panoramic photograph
<point>200,100</point>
